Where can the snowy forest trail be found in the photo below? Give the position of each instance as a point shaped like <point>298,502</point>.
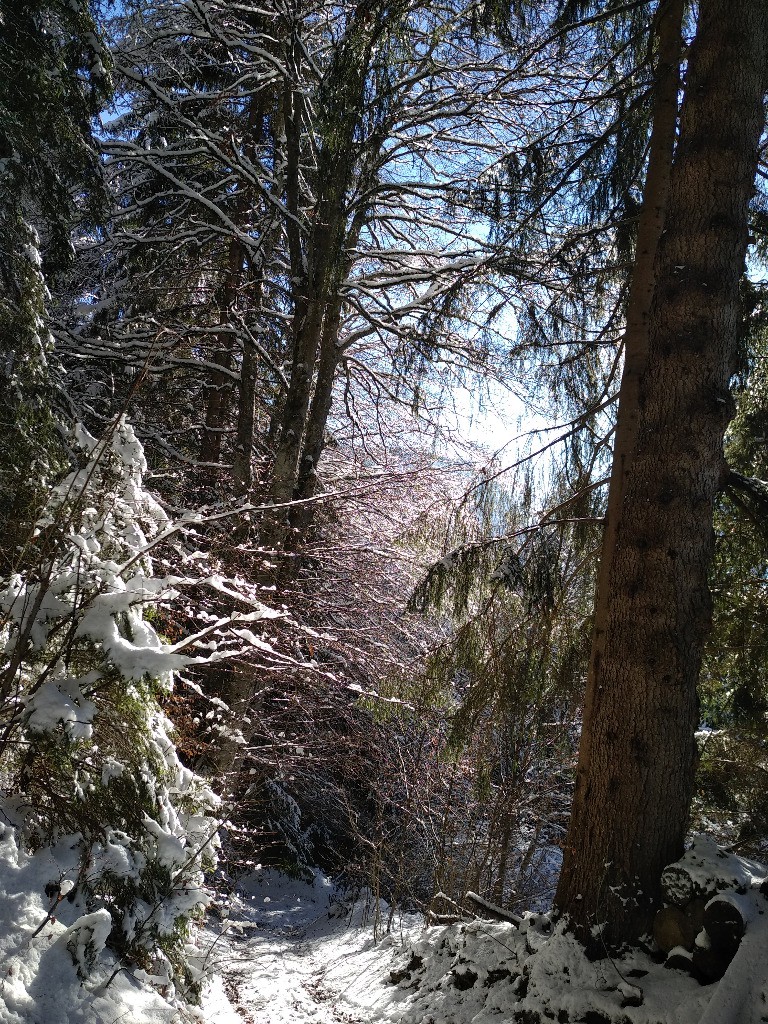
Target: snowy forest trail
<point>290,951</point>
<point>281,951</point>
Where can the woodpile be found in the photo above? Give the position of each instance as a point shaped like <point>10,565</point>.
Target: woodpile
<point>711,900</point>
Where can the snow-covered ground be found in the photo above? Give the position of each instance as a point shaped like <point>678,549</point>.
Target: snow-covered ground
<point>293,951</point>
<point>292,956</point>
<point>38,978</point>
<point>289,953</point>
<point>280,951</point>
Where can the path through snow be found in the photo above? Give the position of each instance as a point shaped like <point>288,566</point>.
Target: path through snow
<point>288,952</point>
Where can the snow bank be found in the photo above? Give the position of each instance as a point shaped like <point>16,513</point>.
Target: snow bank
<point>40,981</point>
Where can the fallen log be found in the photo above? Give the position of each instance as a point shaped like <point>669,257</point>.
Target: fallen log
<point>434,918</point>
<point>694,911</point>
<point>677,885</point>
<point>673,927</point>
<point>739,998</point>
<point>708,964</point>
<point>493,911</point>
<point>703,871</point>
<point>679,959</point>
<point>725,921</point>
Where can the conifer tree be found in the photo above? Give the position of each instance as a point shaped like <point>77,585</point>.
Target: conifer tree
<point>637,757</point>
<point>53,81</point>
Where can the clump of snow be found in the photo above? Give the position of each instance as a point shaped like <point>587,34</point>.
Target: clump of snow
<point>111,769</point>
<point>61,703</point>
<point>86,938</point>
<point>706,869</point>
<point>118,856</point>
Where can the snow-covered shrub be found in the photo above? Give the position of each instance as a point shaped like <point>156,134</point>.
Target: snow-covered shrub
<point>88,751</point>
<point>86,938</point>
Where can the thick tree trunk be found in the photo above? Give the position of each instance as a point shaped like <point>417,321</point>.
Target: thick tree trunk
<point>220,388</point>
<point>245,434</point>
<point>636,775</point>
<point>329,356</point>
<point>650,226</point>
<point>317,294</point>
<point>307,315</point>
<point>219,394</point>
<point>305,348</point>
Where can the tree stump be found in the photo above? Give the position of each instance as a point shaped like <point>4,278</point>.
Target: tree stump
<point>725,925</point>
<point>672,927</point>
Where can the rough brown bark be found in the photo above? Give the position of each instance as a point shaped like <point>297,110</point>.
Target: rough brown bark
<point>636,782</point>
<point>664,111</point>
